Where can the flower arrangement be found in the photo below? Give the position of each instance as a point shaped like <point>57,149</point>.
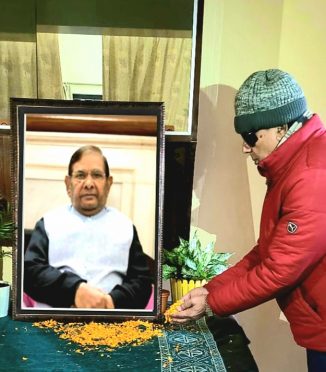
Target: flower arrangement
<point>192,261</point>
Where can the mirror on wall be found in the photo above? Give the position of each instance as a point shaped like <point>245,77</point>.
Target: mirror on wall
<point>81,224</point>
<point>105,50</point>
<point>75,50</point>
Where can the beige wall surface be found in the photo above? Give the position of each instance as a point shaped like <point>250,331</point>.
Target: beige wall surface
<point>241,37</point>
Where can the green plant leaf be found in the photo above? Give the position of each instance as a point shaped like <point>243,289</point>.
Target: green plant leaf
<point>188,273</point>
<point>183,243</point>
<point>217,269</point>
<point>208,257</point>
<point>168,272</point>
<point>191,264</point>
<point>224,256</point>
<point>194,244</point>
<point>190,260</point>
<point>7,226</point>
<point>209,247</point>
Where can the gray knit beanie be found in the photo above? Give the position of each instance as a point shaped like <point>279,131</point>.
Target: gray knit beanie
<point>268,99</point>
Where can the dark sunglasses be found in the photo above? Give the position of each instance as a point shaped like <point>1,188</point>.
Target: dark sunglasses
<point>250,138</point>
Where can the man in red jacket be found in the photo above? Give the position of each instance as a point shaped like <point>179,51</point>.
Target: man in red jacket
<point>288,144</point>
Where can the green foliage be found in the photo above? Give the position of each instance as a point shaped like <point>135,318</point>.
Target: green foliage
<point>7,228</point>
<point>189,260</point>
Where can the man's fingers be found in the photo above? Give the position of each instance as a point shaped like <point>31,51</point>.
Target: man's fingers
<point>185,314</point>
<point>187,303</point>
<point>179,321</point>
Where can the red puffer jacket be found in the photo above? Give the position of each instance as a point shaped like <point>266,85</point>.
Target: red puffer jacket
<point>289,261</point>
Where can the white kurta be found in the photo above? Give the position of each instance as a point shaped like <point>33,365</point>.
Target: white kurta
<point>96,248</point>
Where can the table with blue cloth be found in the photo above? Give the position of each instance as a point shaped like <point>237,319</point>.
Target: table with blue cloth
<point>210,344</point>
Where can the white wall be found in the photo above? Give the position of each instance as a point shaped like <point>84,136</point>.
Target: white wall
<point>81,63</point>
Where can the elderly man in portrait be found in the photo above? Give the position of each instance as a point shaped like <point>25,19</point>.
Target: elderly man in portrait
<point>86,255</point>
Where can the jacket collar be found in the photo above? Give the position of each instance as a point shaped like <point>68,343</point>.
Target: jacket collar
<point>276,163</point>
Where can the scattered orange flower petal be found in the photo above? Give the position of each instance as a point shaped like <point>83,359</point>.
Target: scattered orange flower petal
<point>172,310</point>
<point>109,335</point>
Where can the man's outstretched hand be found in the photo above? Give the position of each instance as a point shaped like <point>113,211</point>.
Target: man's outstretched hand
<point>193,306</point>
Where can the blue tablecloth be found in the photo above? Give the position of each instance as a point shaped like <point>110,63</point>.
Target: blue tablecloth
<point>211,344</point>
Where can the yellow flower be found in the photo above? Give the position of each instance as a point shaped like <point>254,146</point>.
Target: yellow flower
<point>108,335</point>
<point>172,310</point>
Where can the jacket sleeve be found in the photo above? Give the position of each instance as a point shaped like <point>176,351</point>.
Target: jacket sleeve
<point>288,257</point>
<point>43,282</point>
<point>135,290</point>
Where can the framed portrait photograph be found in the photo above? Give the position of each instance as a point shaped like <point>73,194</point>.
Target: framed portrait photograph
<point>88,186</point>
